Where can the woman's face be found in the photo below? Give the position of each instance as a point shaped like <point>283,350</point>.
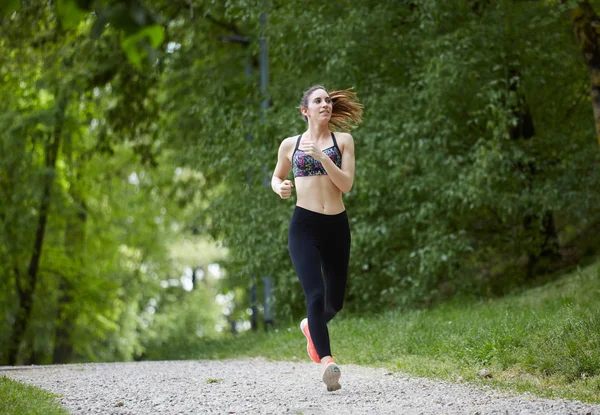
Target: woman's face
<point>319,106</point>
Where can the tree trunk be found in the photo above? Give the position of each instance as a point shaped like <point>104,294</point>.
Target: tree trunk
<point>26,283</point>
<point>544,240</point>
<point>546,251</point>
<point>63,342</point>
<point>586,26</point>
<point>74,242</point>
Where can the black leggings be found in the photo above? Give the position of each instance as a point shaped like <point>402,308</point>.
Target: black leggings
<point>317,241</point>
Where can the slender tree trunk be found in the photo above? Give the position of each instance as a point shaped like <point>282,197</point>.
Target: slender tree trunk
<point>544,241</point>
<point>74,241</point>
<point>549,238</point>
<point>10,179</point>
<point>63,342</point>
<point>26,283</point>
<point>586,26</point>
<point>546,250</point>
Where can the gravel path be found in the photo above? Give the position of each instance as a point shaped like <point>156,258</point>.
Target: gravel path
<point>257,386</point>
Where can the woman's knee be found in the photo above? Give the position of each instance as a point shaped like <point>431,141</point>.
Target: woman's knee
<point>315,301</point>
<point>332,308</point>
<point>335,301</point>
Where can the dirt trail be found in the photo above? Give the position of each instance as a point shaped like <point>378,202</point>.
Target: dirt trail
<point>257,386</point>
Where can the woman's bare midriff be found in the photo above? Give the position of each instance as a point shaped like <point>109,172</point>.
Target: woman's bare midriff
<point>319,194</point>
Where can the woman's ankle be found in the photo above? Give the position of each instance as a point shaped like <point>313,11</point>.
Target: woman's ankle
<point>325,360</point>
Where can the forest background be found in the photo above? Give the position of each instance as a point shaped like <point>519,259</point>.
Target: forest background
<point>138,139</point>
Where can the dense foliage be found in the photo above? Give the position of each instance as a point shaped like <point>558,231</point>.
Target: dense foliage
<point>132,125</point>
<point>476,162</point>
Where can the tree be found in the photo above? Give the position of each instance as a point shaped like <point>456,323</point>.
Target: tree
<point>585,22</point>
<point>50,113</point>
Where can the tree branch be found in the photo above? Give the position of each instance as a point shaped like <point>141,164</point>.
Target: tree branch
<point>229,26</point>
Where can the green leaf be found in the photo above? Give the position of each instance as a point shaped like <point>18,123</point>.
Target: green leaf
<point>69,13</point>
<point>136,45</point>
<point>9,6</point>
<point>84,4</point>
<point>155,33</point>
<point>98,26</point>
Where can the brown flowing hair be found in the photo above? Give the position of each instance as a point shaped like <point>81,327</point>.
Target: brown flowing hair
<point>347,111</point>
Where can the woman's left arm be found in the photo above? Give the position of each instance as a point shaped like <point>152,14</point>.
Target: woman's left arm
<point>343,178</point>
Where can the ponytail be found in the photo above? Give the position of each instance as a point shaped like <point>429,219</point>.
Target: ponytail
<point>347,111</point>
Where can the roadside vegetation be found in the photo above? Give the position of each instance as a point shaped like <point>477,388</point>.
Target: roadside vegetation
<point>17,398</point>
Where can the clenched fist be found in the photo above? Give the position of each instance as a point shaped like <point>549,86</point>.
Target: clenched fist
<point>309,147</point>
<point>285,189</point>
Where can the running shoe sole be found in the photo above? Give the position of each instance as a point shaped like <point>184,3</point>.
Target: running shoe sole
<point>331,377</point>
<point>315,358</point>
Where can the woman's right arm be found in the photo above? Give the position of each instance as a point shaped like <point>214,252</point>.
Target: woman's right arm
<point>279,184</point>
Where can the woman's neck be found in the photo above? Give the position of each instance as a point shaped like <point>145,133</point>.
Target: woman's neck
<point>319,132</point>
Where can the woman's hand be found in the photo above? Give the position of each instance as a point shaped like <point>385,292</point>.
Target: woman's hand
<point>309,147</point>
<point>285,189</point>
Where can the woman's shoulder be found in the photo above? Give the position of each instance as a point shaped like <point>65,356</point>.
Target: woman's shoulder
<point>289,141</point>
<point>343,138</point>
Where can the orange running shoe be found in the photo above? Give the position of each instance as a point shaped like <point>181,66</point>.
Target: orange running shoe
<point>331,376</point>
<point>310,347</point>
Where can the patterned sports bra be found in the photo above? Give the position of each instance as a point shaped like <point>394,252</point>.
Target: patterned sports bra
<point>304,165</point>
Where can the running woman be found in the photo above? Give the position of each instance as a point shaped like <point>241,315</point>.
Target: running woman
<point>319,234</point>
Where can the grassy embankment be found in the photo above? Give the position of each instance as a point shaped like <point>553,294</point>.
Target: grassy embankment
<point>545,340</point>
<point>18,399</point>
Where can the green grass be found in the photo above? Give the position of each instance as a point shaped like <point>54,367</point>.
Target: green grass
<point>545,340</point>
<point>19,399</point>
